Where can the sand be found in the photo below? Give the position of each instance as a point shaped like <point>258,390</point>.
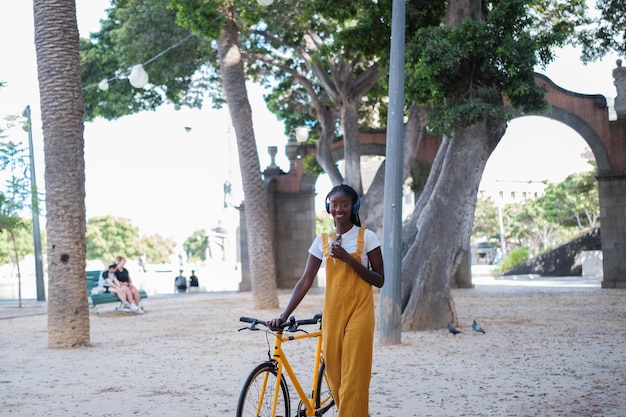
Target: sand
<point>554,350</point>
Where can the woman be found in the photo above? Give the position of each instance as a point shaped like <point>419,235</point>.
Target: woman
<point>122,275</point>
<point>354,262</point>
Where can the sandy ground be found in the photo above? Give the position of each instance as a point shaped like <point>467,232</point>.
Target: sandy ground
<point>552,350</point>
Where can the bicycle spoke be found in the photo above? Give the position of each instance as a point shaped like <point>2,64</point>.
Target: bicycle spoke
<point>257,395</point>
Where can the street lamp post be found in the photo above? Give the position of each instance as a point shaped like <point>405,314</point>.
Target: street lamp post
<point>41,292</point>
<point>390,293</point>
<point>501,221</point>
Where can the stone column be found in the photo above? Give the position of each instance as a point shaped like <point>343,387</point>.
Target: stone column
<point>612,190</point>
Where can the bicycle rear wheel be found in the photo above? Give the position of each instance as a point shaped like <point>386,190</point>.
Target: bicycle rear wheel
<point>324,403</point>
<point>257,394</point>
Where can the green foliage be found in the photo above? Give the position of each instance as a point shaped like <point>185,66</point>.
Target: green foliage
<point>23,233</point>
<point>605,32</point>
<point>516,256</point>
<point>11,225</point>
<point>109,236</point>
<point>15,166</point>
<point>196,245</point>
<point>419,175</point>
<point>156,248</point>
<point>463,72</point>
<point>486,224</point>
<point>573,202</point>
<point>181,63</point>
<point>563,212</point>
<point>323,223</point>
<point>311,165</point>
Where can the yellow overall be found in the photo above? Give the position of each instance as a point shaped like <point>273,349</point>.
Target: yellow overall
<point>348,333</point>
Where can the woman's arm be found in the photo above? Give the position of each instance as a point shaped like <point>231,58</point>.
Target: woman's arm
<point>374,276</point>
<point>300,290</point>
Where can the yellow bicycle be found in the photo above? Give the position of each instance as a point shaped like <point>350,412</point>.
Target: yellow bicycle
<point>266,392</point>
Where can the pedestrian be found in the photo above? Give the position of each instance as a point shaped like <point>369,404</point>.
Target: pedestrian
<point>180,283</point>
<point>353,260</point>
<point>194,284</point>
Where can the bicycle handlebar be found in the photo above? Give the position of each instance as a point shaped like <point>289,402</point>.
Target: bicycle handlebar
<point>291,325</point>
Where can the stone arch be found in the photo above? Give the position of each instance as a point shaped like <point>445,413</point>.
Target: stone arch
<point>586,114</point>
<point>587,133</point>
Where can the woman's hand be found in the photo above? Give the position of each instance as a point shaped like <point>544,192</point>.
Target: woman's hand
<point>275,323</point>
<point>338,252</point>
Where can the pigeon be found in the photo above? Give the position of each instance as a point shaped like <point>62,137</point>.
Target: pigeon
<point>477,328</point>
<point>453,330</point>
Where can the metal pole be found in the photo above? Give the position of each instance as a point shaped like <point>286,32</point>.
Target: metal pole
<point>502,238</point>
<point>390,308</point>
<point>41,291</point>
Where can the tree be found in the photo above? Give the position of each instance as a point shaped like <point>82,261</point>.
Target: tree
<point>196,245</point>
<point>109,236</point>
<point>486,220</point>
<point>212,21</point>
<point>12,224</point>
<point>62,111</point>
<point>24,240</point>
<point>463,70</point>
<point>15,193</point>
<point>156,248</point>
<point>605,32</point>
<point>574,202</point>
<point>14,161</point>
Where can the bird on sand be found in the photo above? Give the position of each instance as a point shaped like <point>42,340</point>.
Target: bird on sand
<point>477,328</point>
<point>453,330</point>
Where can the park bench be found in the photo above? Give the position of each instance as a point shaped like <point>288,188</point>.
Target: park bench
<point>96,299</point>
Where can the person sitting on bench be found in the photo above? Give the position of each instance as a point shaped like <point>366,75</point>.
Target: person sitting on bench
<point>111,284</point>
<point>122,275</point>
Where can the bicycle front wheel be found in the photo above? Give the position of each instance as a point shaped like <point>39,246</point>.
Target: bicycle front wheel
<point>257,394</point>
<point>324,403</point>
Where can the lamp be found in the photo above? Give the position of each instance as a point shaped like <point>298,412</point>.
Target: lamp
<point>103,85</point>
<point>138,76</point>
<point>302,133</point>
<point>265,3</point>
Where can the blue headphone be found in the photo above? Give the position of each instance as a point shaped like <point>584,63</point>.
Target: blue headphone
<point>355,206</point>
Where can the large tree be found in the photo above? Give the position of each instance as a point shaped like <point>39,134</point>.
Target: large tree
<point>324,58</point>
<point>62,112</point>
<point>483,54</point>
<point>208,49</point>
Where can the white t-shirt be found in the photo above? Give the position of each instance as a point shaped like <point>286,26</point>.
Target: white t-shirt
<point>348,242</point>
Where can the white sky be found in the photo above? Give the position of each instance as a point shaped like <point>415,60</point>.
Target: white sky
<point>172,180</point>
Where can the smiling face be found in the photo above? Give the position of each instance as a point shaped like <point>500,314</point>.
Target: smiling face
<point>340,207</point>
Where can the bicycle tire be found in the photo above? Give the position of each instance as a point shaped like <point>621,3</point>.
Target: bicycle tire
<point>250,398</point>
<point>324,401</point>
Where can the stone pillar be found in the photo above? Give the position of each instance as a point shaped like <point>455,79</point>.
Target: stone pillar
<point>294,232</point>
<point>612,190</point>
<point>291,205</point>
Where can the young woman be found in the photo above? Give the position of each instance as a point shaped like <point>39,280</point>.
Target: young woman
<point>122,275</point>
<point>354,262</point>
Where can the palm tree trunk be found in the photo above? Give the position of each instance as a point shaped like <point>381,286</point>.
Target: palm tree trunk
<point>262,264</point>
<point>62,111</point>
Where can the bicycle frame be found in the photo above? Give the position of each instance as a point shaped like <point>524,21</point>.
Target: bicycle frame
<point>260,397</point>
<point>283,364</point>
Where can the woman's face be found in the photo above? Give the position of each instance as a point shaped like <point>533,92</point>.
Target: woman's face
<point>340,206</point>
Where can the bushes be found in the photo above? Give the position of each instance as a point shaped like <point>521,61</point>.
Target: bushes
<point>516,256</point>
